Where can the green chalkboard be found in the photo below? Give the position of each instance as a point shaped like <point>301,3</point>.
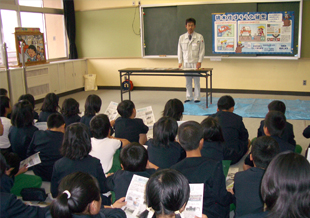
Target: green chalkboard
<point>164,25</point>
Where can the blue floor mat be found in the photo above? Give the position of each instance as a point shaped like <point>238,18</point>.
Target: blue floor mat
<point>250,107</point>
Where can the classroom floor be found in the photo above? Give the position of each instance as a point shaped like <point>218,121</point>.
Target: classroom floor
<point>157,100</point>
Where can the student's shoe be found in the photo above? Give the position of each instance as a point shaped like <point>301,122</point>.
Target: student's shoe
<point>197,101</point>
<point>187,101</point>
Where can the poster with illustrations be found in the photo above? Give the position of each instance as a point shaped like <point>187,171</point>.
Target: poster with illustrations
<point>33,50</point>
<point>253,33</point>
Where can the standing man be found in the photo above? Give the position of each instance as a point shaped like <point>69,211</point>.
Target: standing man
<point>191,50</point>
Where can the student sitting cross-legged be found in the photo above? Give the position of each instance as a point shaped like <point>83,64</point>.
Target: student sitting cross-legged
<point>163,150</point>
<point>103,145</point>
<point>134,160</point>
<point>247,183</point>
<point>234,132</point>
<point>288,132</point>
<point>127,126</point>
<point>198,169</point>
<point>48,143</point>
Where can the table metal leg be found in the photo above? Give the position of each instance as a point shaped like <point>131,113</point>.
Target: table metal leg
<point>210,86</point>
<point>207,90</point>
<point>120,78</point>
<point>128,74</point>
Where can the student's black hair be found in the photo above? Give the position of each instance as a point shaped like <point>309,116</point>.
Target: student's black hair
<point>83,190</point>
<point>174,108</point>
<point>70,107</point>
<point>100,126</point>
<point>92,105</point>
<point>3,91</point>
<point>165,130</point>
<point>277,106</point>
<point>166,192</point>
<point>32,47</point>
<point>286,186</point>
<point>190,133</point>
<point>134,157</point>
<point>190,20</point>
<point>275,122</point>
<point>13,161</point>
<point>29,98</point>
<point>76,143</point>
<point>212,130</point>
<point>4,103</point>
<point>125,108</point>
<point>225,102</point>
<point>264,149</point>
<point>50,103</point>
<point>3,165</point>
<point>55,120</point>
<point>22,114</point>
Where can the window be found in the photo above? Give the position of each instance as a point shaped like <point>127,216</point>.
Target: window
<point>44,14</point>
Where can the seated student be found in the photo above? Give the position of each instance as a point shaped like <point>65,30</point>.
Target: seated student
<point>5,109</point>
<point>285,187</point>
<point>234,132</point>
<point>75,149</point>
<point>247,183</point>
<point>127,126</point>
<point>92,106</point>
<point>133,161</point>
<point>213,145</point>
<point>3,92</point>
<point>70,111</point>
<point>79,196</point>
<point>12,207</point>
<point>22,129</point>
<point>174,108</point>
<point>163,150</point>
<point>48,143</point>
<point>167,192</point>
<point>288,133</point>
<point>198,169</point>
<point>30,98</point>
<point>49,106</point>
<point>103,145</point>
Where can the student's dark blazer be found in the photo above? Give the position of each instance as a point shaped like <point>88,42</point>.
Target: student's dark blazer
<point>44,115</point>
<point>247,191</point>
<point>66,166</point>
<point>12,207</point>
<point>216,199</point>
<point>213,150</point>
<point>20,139</point>
<point>235,134</point>
<point>48,143</point>
<point>120,181</point>
<point>256,215</point>
<point>72,119</point>
<point>284,145</point>
<point>86,120</point>
<point>6,183</point>
<point>287,135</point>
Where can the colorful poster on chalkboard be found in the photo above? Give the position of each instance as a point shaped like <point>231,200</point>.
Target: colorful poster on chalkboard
<point>253,33</point>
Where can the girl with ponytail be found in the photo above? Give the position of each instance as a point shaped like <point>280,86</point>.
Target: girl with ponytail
<point>79,197</point>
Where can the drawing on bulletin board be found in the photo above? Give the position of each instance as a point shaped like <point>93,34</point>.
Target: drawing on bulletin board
<point>253,33</point>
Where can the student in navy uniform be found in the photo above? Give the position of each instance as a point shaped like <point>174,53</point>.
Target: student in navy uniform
<point>75,149</point>
<point>92,106</point>
<point>163,150</point>
<point>274,125</point>
<point>174,108</point>
<point>288,133</point>
<point>70,111</point>
<point>79,196</point>
<point>48,143</point>
<point>285,187</point>
<point>22,129</point>
<point>127,126</point>
<point>247,183</point>
<point>134,160</point>
<point>198,169</point>
<point>213,145</point>
<point>166,194</point>
<point>12,207</point>
<point>49,106</point>
<point>30,98</point>
<point>234,132</point>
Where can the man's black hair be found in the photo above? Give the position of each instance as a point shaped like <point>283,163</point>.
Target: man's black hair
<point>4,103</point>
<point>125,108</point>
<point>225,102</point>
<point>134,157</point>
<point>190,20</point>
<point>277,106</point>
<point>190,133</point>
<point>55,120</point>
<point>100,126</point>
<point>275,122</point>
<point>3,91</point>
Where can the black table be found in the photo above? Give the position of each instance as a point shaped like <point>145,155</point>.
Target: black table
<point>128,72</point>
